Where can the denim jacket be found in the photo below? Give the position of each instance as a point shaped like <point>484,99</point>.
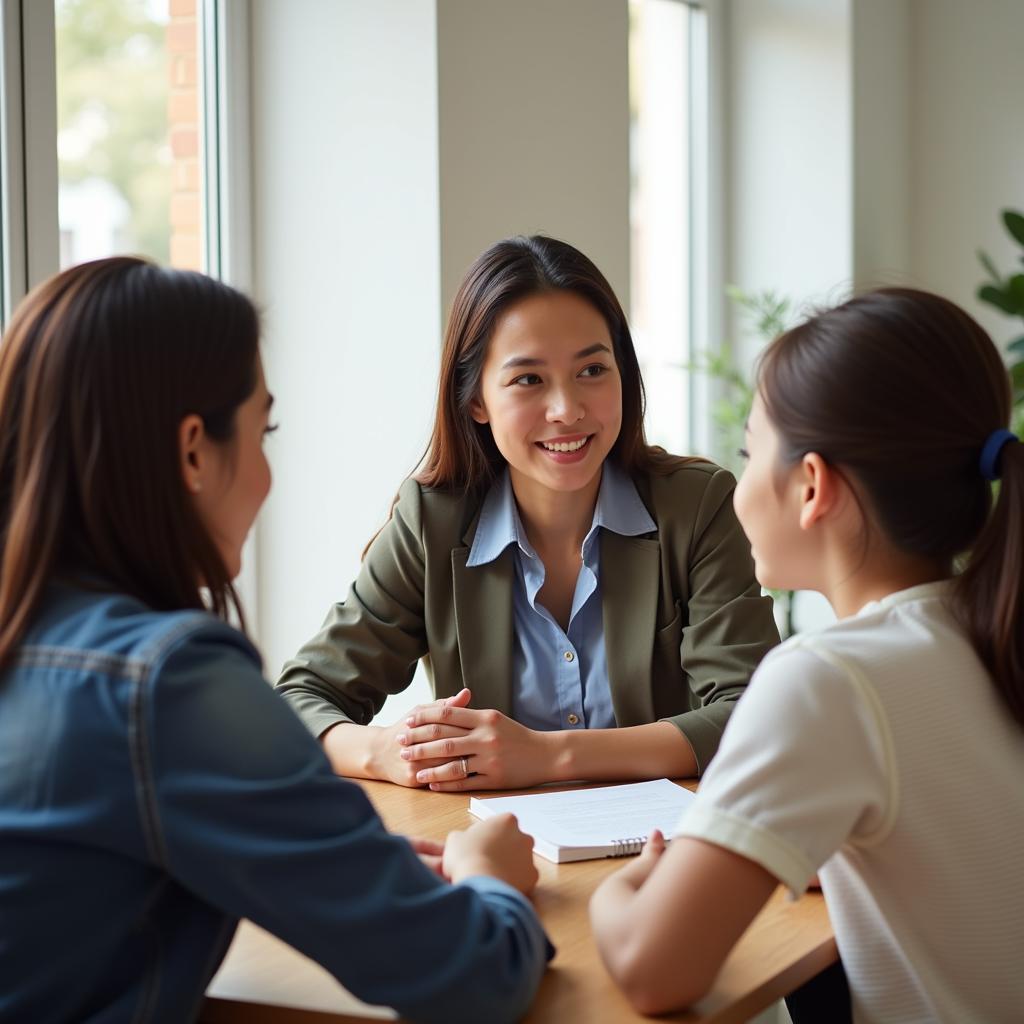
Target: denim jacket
<point>154,789</point>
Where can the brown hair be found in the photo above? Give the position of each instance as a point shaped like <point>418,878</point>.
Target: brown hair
<point>902,389</point>
<point>98,368</point>
<point>462,454</point>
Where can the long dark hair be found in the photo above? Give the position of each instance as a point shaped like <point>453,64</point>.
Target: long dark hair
<point>902,388</point>
<point>462,454</point>
<point>98,368</point>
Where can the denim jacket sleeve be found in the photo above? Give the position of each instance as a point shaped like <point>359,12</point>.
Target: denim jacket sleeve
<point>241,808</point>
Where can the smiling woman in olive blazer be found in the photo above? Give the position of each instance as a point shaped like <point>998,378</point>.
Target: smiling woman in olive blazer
<point>530,426</point>
<point>685,623</point>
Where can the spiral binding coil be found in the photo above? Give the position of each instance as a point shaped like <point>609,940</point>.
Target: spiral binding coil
<point>627,847</point>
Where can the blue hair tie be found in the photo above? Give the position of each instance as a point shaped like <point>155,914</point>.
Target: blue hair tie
<point>989,462</point>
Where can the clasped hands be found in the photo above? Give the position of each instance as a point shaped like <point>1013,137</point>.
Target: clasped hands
<point>450,747</point>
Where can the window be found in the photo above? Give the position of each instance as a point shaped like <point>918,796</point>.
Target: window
<point>130,117</point>
<point>129,138</point>
<point>668,149</point>
<point>148,154</point>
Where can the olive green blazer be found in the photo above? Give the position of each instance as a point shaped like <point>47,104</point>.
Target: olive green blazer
<point>684,620</point>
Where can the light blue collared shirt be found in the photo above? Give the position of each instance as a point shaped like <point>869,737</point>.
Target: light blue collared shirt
<point>560,679</point>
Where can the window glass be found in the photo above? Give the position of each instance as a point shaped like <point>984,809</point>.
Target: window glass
<point>660,212</point>
<point>129,130</point>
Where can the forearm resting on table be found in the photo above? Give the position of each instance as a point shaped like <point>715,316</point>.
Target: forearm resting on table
<point>353,750</point>
<point>654,751</point>
<point>665,938</point>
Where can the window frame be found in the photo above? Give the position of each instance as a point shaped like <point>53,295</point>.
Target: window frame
<point>227,196</point>
<point>29,246</point>
<point>709,222</point>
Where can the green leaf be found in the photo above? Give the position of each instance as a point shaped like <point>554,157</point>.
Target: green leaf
<point>1015,286</point>
<point>990,267</point>
<point>998,298</point>
<point>1014,222</point>
<point>1016,347</point>
<point>766,310</point>
<point>1017,379</point>
<point>1018,420</point>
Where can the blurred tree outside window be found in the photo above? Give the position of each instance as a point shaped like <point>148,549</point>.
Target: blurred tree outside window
<point>128,130</point>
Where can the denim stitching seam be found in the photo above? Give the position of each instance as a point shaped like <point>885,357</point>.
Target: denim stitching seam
<point>43,656</point>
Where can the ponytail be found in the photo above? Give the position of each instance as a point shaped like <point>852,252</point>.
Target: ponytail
<point>988,598</point>
<point>909,393</point>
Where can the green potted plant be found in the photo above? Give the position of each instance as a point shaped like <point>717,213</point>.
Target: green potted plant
<point>1007,295</point>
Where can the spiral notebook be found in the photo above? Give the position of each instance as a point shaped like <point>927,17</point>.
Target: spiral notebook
<point>584,824</point>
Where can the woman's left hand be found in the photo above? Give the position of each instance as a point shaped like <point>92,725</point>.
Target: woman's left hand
<point>495,752</point>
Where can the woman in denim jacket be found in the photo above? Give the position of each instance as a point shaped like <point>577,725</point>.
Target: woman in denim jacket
<point>140,815</point>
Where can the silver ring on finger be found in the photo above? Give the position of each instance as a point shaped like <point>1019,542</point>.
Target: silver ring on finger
<point>464,761</point>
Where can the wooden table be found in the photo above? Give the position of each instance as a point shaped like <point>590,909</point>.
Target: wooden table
<point>262,981</point>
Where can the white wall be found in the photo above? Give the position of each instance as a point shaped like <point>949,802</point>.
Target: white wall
<point>789,198</point>
<point>880,38</point>
<point>534,129</point>
<point>872,142</point>
<point>967,144</point>
<point>347,268</point>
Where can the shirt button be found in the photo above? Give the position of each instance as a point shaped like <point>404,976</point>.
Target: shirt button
<point>569,656</point>
<point>574,719</point>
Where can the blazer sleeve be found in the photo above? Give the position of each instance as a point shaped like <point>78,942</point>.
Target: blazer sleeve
<point>369,643</point>
<point>729,626</point>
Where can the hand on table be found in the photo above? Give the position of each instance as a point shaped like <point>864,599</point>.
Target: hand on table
<point>494,847</point>
<point>379,747</point>
<point>452,747</point>
<point>431,852</point>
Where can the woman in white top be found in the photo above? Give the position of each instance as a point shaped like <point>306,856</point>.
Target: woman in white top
<point>885,752</point>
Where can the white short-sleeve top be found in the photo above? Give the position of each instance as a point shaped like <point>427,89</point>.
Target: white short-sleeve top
<point>879,752</point>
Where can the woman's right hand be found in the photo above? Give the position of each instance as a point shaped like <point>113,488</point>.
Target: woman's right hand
<point>494,847</point>
<point>375,752</point>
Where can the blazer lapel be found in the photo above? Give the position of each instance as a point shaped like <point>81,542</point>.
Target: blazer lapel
<point>629,594</point>
<point>483,621</point>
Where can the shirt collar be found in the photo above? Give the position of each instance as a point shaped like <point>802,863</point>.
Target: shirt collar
<point>498,525</point>
<point>920,592</point>
<point>619,509</point>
